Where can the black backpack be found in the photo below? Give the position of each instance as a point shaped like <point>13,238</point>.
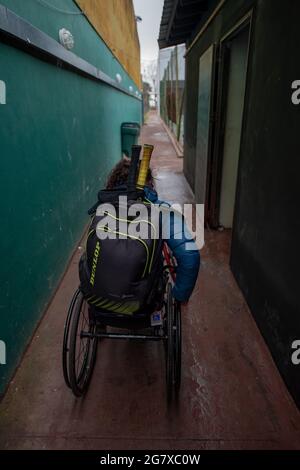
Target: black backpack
<point>122,274</point>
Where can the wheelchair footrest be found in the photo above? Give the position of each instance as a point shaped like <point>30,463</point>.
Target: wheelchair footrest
<point>122,336</point>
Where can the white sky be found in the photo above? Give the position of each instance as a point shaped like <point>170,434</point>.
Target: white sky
<point>150,11</point>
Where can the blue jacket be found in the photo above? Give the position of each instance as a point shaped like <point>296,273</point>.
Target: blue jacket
<point>188,260</point>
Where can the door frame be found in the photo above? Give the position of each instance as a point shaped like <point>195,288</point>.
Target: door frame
<point>211,122</point>
<point>214,175</point>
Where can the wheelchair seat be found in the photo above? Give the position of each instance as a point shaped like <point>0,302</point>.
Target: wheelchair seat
<point>137,320</point>
<point>140,319</point>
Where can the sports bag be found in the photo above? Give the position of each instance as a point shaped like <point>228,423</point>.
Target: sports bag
<point>122,263</point>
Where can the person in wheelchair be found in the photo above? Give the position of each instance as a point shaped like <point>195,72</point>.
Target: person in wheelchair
<point>130,282</point>
<point>108,270</point>
<point>182,247</point>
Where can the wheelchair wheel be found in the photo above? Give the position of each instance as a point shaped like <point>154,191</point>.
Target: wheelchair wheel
<point>169,343</point>
<point>81,351</point>
<point>177,346</point>
<point>173,344</point>
<point>66,340</point>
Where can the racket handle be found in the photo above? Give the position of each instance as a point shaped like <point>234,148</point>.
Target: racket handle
<point>144,166</point>
<point>133,169</point>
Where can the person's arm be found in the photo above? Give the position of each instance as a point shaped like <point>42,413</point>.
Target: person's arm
<point>188,260</point>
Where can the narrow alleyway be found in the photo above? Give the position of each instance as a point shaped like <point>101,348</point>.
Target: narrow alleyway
<point>232,396</point>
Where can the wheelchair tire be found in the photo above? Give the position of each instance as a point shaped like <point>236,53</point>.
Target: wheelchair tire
<point>169,342</point>
<point>177,346</point>
<point>66,340</point>
<point>80,372</point>
<point>173,344</point>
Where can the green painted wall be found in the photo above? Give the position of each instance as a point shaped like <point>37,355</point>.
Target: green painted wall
<point>88,44</point>
<point>59,137</point>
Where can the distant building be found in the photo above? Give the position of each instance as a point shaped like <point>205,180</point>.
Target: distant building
<point>146,97</point>
<point>241,148</point>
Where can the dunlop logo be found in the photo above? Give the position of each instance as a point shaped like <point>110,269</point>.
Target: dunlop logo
<point>95,261</point>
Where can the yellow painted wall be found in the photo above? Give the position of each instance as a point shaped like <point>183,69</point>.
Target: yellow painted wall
<point>115,21</point>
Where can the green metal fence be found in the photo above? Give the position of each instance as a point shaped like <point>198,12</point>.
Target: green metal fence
<point>171,89</point>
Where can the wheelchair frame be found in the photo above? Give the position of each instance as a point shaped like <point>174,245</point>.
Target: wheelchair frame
<point>90,330</point>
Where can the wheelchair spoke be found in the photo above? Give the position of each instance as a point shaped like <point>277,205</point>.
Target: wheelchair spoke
<point>82,353</point>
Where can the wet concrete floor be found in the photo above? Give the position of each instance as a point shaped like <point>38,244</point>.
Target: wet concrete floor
<point>232,395</point>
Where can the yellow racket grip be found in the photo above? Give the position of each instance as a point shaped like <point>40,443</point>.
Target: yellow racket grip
<point>144,166</point>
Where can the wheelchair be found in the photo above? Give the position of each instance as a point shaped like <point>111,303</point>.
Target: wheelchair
<point>86,327</point>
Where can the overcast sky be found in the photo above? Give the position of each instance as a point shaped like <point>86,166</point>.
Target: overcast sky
<point>150,11</point>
